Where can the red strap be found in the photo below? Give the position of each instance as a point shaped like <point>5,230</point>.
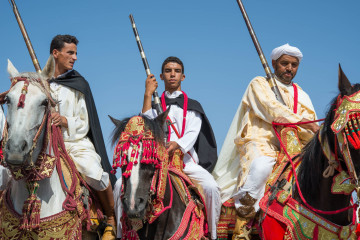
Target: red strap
<point>163,104</point>
<point>296,97</point>
<point>295,175</point>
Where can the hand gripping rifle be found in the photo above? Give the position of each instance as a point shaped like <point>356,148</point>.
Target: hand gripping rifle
<point>26,36</point>
<point>158,107</point>
<point>269,75</point>
<point>157,103</point>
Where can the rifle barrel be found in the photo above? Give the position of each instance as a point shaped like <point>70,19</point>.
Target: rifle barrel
<point>26,36</point>
<point>146,64</point>
<point>266,67</point>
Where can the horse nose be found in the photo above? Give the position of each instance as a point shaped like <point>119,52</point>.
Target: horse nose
<point>139,202</point>
<point>134,210</point>
<point>16,146</point>
<point>23,145</point>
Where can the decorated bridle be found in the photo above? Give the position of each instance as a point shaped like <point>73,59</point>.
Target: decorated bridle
<point>136,136</point>
<point>45,165</point>
<point>30,171</point>
<point>346,130</point>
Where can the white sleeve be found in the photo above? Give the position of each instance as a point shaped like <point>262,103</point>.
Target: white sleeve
<point>78,126</point>
<point>192,130</point>
<point>151,113</point>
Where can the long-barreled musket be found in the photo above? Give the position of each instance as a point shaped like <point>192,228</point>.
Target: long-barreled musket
<point>26,36</point>
<point>269,75</point>
<point>146,64</point>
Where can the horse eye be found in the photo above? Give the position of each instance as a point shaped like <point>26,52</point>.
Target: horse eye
<point>44,103</point>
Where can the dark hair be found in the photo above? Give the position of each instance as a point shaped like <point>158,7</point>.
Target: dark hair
<point>172,59</point>
<point>59,40</point>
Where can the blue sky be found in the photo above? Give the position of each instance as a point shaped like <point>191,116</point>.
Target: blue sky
<point>209,36</point>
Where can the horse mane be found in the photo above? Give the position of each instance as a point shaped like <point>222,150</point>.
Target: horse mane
<point>314,162</point>
<point>150,124</point>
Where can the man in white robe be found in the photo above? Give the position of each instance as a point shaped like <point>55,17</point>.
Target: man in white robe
<point>172,75</point>
<point>250,149</point>
<point>74,118</point>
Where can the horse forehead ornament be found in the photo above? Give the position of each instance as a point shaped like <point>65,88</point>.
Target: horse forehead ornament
<point>137,136</point>
<point>346,129</point>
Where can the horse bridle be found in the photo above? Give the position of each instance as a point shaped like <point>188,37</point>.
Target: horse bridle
<point>21,104</point>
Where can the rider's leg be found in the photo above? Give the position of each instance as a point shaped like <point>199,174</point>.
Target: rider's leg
<point>88,163</point>
<point>248,196</point>
<point>210,190</point>
<point>106,198</point>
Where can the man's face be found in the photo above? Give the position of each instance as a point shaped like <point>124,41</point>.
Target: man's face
<point>285,68</point>
<point>172,76</point>
<point>66,57</point>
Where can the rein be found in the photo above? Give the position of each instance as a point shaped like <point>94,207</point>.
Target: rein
<point>294,171</point>
<point>21,104</point>
<point>45,165</point>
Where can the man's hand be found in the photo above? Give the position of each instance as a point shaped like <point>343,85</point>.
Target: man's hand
<point>280,120</point>
<point>59,120</point>
<point>171,147</point>
<point>311,126</point>
<point>150,85</point>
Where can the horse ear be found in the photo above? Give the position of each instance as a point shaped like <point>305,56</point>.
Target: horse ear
<point>49,69</point>
<point>344,83</point>
<point>13,72</point>
<point>162,117</point>
<point>115,121</point>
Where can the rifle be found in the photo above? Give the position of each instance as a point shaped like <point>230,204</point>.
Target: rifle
<point>158,107</point>
<point>269,75</point>
<point>26,36</point>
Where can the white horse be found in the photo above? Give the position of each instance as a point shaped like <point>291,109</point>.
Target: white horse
<point>26,135</point>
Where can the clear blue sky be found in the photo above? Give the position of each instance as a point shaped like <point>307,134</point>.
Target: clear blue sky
<point>209,36</point>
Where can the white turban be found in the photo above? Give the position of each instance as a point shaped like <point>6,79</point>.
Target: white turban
<point>286,49</point>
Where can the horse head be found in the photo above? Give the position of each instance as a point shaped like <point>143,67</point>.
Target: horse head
<point>139,152</point>
<point>28,104</point>
<point>330,164</point>
<point>345,118</point>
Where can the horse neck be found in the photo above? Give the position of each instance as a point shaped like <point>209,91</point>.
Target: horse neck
<point>49,192</point>
<point>316,189</point>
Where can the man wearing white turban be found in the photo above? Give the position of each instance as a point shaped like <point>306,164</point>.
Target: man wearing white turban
<point>250,148</point>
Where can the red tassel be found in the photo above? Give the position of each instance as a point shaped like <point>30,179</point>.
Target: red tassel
<point>351,140</point>
<point>30,219</point>
<point>316,233</point>
<point>21,103</point>
<point>357,141</point>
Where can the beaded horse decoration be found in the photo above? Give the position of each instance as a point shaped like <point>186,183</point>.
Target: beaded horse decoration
<point>141,154</point>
